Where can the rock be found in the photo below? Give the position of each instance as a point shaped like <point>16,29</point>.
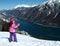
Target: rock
<point>23,32</point>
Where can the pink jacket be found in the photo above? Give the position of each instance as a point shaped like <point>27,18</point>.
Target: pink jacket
<point>13,27</point>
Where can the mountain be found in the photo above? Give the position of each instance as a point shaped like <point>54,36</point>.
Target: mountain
<point>19,11</point>
<point>25,41</point>
<point>1,20</point>
<point>47,13</point>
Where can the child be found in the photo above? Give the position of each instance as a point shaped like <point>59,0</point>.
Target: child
<point>12,30</point>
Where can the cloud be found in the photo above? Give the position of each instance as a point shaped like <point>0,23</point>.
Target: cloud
<point>23,5</point>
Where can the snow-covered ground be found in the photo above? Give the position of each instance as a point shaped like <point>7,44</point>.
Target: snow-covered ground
<point>25,41</point>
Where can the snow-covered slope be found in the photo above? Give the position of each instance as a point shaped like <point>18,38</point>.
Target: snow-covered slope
<point>25,41</point>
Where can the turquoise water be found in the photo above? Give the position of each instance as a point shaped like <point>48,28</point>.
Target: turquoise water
<point>39,31</point>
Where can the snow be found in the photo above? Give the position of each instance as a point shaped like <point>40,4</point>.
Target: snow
<point>5,19</point>
<point>25,41</point>
<point>59,0</point>
<point>23,5</point>
<point>50,1</point>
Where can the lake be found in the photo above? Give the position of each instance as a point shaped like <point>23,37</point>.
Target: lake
<point>39,31</point>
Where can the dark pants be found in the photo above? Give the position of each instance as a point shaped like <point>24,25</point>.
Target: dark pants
<point>12,35</point>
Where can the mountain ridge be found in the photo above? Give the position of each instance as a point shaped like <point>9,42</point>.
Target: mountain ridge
<point>45,14</point>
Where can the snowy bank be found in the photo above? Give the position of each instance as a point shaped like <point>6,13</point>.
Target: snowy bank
<point>25,41</point>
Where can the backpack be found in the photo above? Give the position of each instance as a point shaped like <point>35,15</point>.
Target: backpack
<point>9,24</point>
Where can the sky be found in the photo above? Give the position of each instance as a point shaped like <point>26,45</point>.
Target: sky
<point>8,4</point>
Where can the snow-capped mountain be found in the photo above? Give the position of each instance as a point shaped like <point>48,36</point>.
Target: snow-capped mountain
<point>47,13</point>
<point>52,2</point>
